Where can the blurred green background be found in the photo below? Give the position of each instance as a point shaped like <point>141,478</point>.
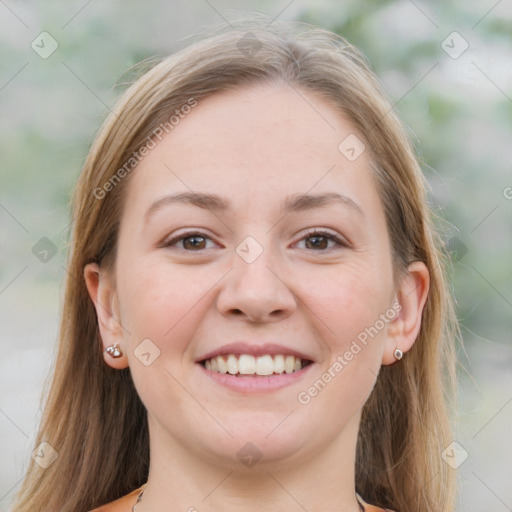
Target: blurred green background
<point>447,67</point>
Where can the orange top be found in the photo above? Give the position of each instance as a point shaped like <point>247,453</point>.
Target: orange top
<point>126,503</point>
<point>123,504</point>
<point>372,508</point>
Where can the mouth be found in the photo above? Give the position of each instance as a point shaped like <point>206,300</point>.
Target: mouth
<point>267,365</point>
<point>252,367</point>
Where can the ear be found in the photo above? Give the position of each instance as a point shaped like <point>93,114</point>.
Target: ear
<point>102,292</point>
<point>411,297</point>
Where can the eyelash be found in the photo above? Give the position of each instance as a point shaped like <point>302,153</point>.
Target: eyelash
<point>309,234</point>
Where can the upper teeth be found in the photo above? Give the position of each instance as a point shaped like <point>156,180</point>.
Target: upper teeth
<point>247,364</point>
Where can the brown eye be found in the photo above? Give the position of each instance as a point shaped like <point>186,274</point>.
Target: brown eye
<point>190,242</point>
<point>319,241</point>
<point>194,242</point>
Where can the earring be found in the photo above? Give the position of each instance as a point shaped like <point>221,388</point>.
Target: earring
<point>398,354</point>
<point>114,351</point>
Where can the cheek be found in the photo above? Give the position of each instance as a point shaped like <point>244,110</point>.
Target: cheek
<point>350,309</point>
<point>348,300</point>
<point>349,305</point>
<point>347,308</point>
<point>162,304</point>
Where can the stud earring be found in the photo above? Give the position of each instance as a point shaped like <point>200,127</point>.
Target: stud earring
<point>398,354</point>
<point>114,351</point>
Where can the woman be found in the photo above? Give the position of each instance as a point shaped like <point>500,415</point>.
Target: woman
<point>256,310</point>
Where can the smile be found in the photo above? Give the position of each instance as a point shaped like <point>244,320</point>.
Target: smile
<point>247,364</point>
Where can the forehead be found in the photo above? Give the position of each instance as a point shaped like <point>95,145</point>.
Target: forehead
<point>258,141</point>
<point>257,121</point>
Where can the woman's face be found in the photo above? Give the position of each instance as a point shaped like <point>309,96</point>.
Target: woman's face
<point>236,270</point>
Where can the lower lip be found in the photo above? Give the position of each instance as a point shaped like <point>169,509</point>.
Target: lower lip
<point>256,383</point>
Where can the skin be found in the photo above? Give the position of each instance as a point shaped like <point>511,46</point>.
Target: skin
<point>254,146</point>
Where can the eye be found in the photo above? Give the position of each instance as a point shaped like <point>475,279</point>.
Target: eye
<point>196,241</point>
<point>320,240</point>
<point>192,241</point>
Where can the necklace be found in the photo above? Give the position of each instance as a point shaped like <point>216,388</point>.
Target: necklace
<point>139,497</point>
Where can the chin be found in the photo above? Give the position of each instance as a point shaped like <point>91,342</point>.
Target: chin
<point>259,444</point>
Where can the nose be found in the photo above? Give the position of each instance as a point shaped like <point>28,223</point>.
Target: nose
<point>257,291</point>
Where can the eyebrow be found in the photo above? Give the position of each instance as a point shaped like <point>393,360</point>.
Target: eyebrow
<point>292,203</point>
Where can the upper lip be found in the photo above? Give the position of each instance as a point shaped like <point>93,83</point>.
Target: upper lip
<point>241,347</point>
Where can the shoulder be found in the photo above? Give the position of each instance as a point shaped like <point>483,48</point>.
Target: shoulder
<point>123,504</point>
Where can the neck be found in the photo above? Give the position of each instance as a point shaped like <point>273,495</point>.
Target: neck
<point>321,481</point>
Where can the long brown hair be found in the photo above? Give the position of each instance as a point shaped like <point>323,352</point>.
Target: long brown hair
<point>93,416</point>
